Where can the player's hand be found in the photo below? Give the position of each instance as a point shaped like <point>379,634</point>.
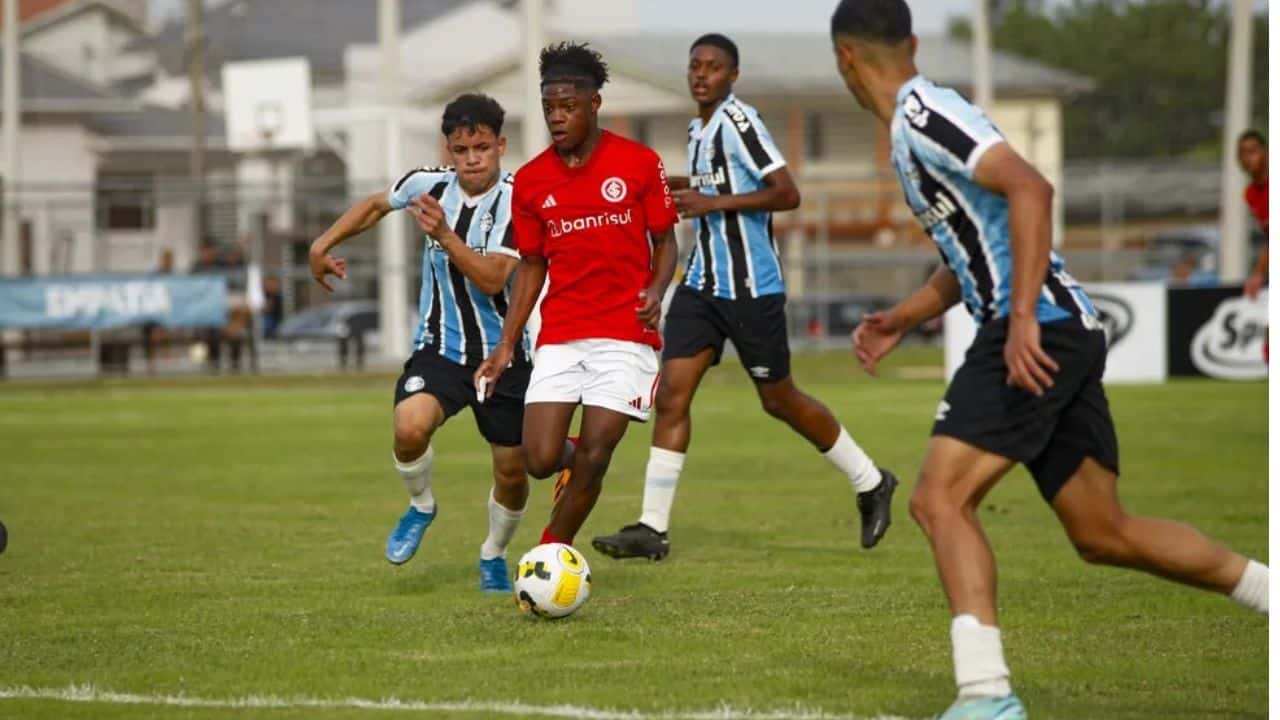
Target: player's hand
<point>323,264</point>
<point>693,203</point>
<point>493,367</point>
<point>1029,366</point>
<point>1253,285</point>
<point>875,336</point>
<point>426,211</point>
<point>650,310</point>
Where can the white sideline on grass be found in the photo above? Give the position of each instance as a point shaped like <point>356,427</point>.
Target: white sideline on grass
<point>91,694</point>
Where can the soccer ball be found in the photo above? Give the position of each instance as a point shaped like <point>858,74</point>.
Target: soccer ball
<point>552,581</point>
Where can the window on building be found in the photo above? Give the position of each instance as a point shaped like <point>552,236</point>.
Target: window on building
<point>126,201</point>
<point>643,129</point>
<point>814,147</point>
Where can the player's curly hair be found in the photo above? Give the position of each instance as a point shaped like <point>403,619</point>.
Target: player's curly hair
<point>472,111</point>
<point>573,63</point>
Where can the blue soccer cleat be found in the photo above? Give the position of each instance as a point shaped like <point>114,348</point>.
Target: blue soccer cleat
<point>494,577</point>
<point>403,541</point>
<point>1008,707</point>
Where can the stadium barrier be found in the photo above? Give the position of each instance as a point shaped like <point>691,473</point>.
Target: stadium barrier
<point>100,303</point>
<point>1155,332</point>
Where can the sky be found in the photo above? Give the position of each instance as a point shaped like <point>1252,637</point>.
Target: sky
<point>730,15</point>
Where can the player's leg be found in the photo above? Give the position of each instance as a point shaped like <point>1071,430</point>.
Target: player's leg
<point>1104,533</point>
<point>600,433</point>
<point>416,419</point>
<point>507,502</point>
<point>954,479</point>
<point>672,427</point>
<point>693,340</point>
<point>760,335</point>
<point>429,391</point>
<point>500,421</point>
<point>555,389</point>
<point>618,386</point>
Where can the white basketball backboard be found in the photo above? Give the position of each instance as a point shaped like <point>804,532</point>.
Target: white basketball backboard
<point>268,104</point>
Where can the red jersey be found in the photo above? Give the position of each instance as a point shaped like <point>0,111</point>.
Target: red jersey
<point>592,224</point>
<point>1256,196</point>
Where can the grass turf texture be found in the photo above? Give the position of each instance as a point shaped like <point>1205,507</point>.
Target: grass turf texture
<point>223,538</point>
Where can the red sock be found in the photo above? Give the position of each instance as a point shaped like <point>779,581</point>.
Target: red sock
<point>547,537</point>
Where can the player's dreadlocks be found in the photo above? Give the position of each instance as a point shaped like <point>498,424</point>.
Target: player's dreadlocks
<point>574,63</point>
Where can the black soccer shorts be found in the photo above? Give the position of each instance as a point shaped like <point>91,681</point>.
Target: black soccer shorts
<point>499,419</point>
<point>1051,434</point>
<point>757,327</point>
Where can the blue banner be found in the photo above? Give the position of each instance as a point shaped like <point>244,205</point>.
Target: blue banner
<point>102,302</point>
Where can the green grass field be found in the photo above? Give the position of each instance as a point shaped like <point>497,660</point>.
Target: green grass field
<point>222,540</point>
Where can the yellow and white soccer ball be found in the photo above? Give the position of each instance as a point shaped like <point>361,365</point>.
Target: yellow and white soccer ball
<point>552,581</point>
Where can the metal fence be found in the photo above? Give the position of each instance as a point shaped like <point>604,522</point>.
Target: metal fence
<point>850,248</point>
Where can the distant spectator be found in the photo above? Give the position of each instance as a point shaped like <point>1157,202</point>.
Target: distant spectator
<point>1251,151</point>
<point>208,260</point>
<point>152,333</point>
<point>273,312</point>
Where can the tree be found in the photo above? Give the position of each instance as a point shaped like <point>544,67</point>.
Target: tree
<point>1159,69</point>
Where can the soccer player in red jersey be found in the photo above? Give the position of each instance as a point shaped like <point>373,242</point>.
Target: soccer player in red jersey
<point>1251,151</point>
<point>593,212</point>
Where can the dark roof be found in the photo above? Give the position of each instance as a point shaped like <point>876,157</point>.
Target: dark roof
<point>802,63</point>
<point>48,89</point>
<point>262,29</point>
<point>154,122</point>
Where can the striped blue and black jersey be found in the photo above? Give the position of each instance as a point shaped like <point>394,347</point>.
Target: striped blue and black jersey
<point>937,140</point>
<point>735,255</point>
<point>457,319</point>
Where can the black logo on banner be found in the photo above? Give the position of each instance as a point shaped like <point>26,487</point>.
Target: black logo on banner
<point>1115,314</point>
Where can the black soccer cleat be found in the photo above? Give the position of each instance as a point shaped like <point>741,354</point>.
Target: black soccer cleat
<point>634,541</point>
<point>875,507</point>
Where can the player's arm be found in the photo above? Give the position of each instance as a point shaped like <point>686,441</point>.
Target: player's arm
<point>489,272</point>
<point>359,217</point>
<point>1254,284</point>
<point>665,254</point>
<point>779,193</point>
<point>879,332</point>
<point>531,273</point>
<point>678,182</point>
<point>1030,198</point>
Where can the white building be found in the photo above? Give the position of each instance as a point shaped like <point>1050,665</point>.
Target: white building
<point>106,132</point>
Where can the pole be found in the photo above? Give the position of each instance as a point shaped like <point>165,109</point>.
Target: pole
<point>1231,218</point>
<point>10,117</point>
<point>983,91</point>
<point>958,328</point>
<point>393,291</point>
<point>533,132</point>
<point>195,75</point>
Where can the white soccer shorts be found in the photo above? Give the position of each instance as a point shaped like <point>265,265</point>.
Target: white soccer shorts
<point>613,374</point>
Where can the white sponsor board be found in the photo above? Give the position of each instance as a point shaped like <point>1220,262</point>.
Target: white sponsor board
<point>1134,316</point>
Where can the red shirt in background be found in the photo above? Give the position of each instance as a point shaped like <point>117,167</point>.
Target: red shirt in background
<point>1256,196</point>
<point>592,223</point>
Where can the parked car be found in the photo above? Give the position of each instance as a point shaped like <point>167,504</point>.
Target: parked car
<point>836,316</point>
<point>1187,254</point>
<point>352,325</point>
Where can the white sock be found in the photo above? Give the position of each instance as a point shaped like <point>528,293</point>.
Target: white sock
<point>660,478</point>
<point>503,522</point>
<point>417,480</point>
<point>1253,590</point>
<point>979,658</point>
<point>853,462</point>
